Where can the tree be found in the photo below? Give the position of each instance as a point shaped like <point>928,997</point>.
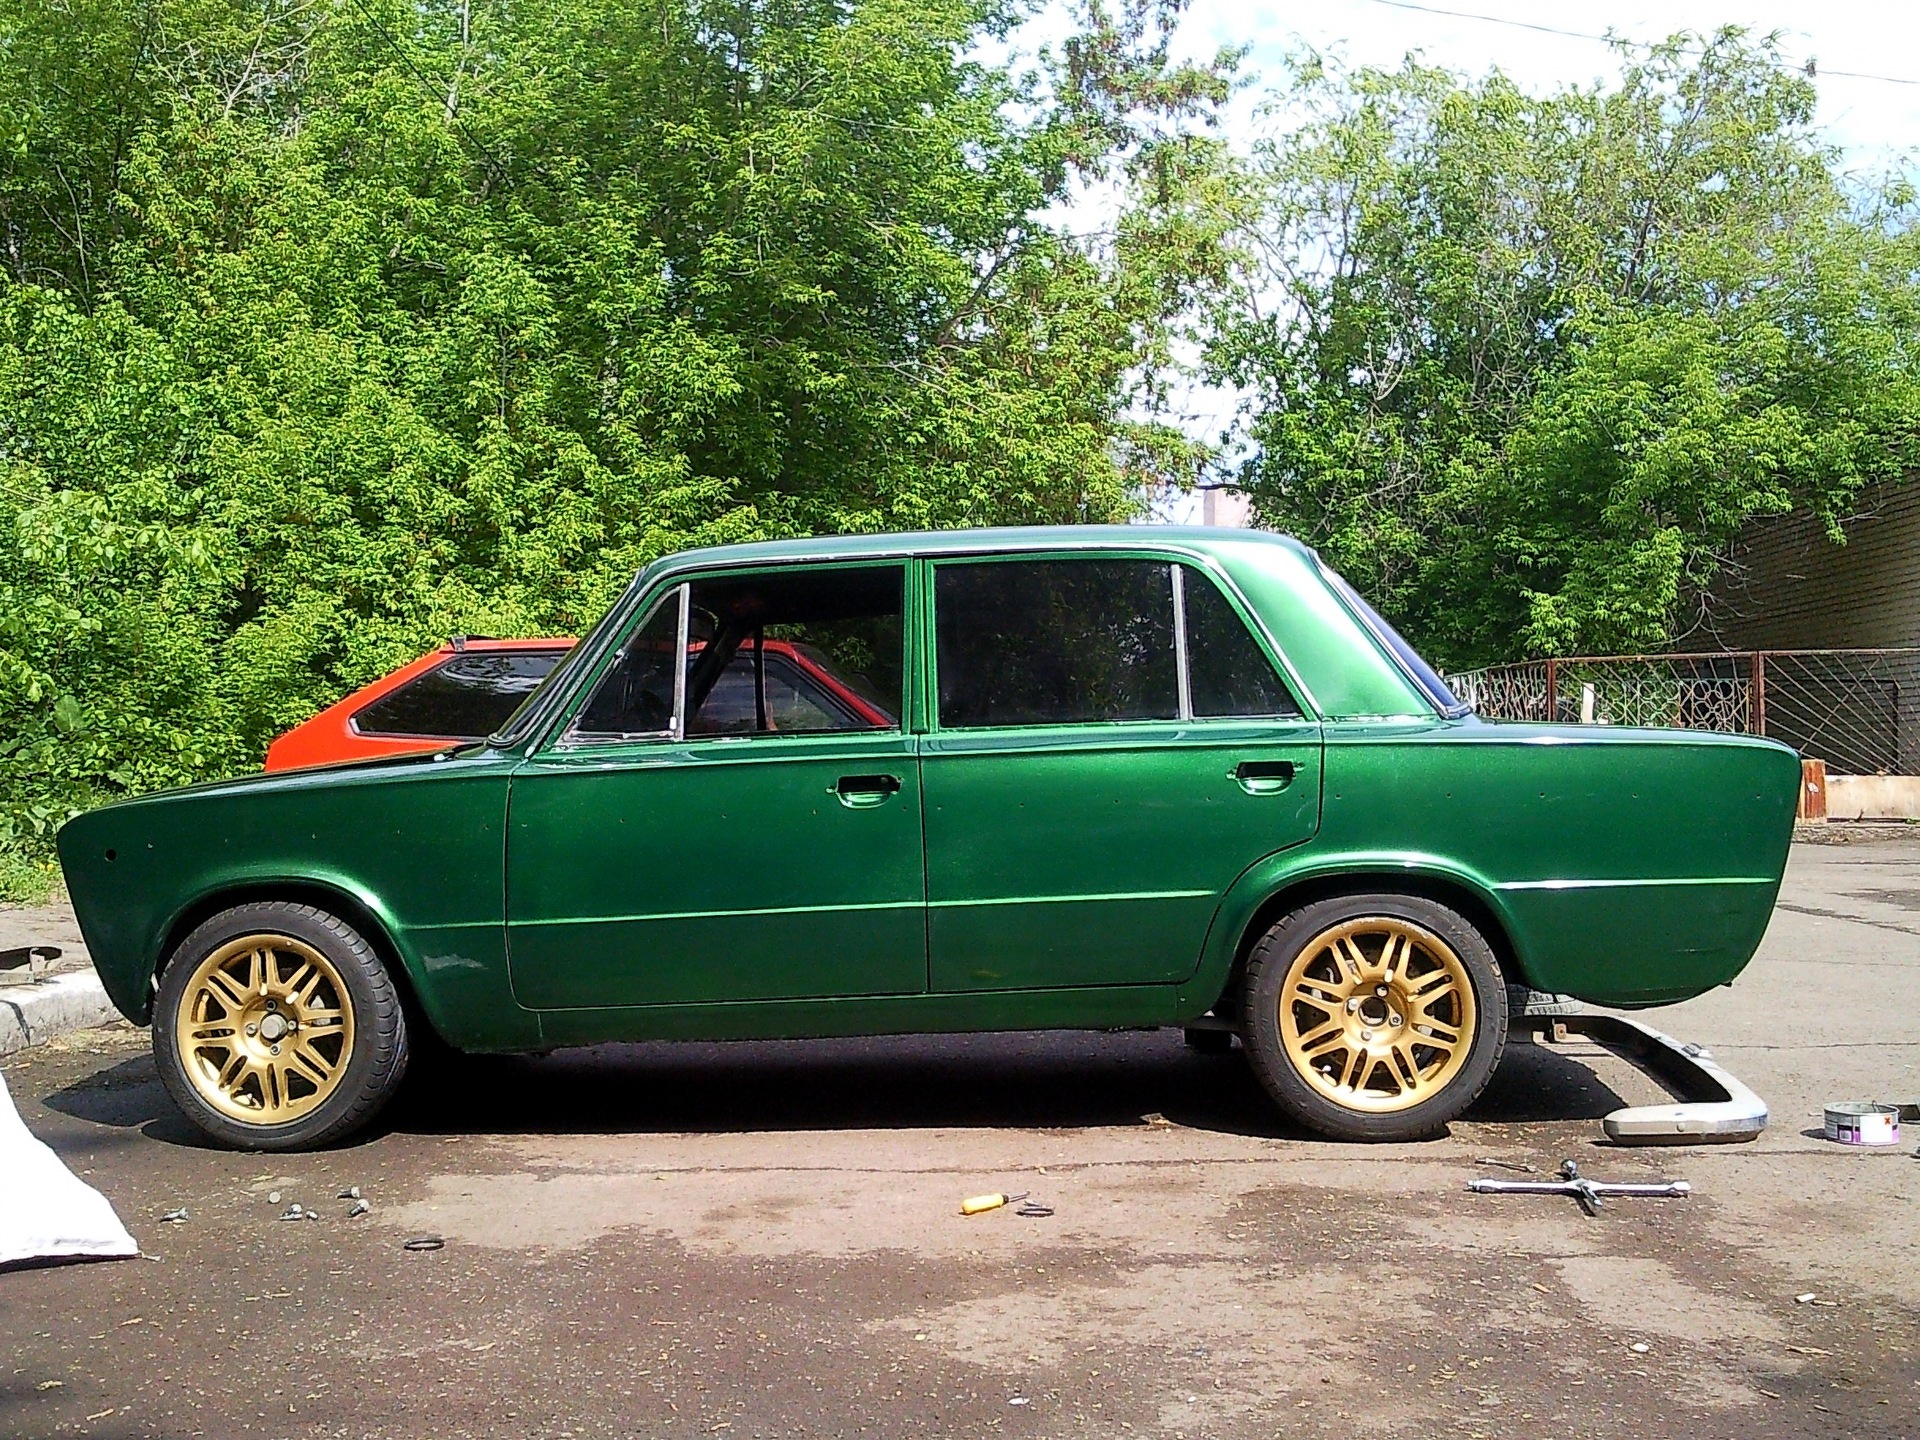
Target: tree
<point>331,327</point>
<point>1522,366</point>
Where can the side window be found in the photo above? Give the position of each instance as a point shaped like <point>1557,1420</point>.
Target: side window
<point>635,697</point>
<point>466,698</point>
<point>797,651</point>
<point>1227,673</point>
<point>1055,642</point>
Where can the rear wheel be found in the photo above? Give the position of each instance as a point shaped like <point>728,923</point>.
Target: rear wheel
<point>1374,1017</point>
<point>277,1027</point>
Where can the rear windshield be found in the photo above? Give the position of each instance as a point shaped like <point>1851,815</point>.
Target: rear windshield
<point>467,697</point>
<point>1424,675</point>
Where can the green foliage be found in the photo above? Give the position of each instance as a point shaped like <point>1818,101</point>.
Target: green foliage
<point>1522,366</point>
<point>331,327</point>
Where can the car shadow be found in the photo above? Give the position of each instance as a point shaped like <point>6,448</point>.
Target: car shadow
<point>1040,1080</point>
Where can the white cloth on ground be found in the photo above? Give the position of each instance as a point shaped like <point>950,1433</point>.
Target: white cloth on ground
<point>46,1211</point>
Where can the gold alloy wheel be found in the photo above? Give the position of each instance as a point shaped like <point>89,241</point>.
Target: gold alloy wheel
<point>265,1029</point>
<point>1377,1014</point>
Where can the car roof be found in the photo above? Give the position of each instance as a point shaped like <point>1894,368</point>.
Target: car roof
<point>987,540</point>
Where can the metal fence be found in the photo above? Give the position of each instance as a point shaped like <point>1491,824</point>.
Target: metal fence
<point>1858,710</point>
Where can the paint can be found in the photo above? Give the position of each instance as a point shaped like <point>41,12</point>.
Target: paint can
<point>1861,1122</point>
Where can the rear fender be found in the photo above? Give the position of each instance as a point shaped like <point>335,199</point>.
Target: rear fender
<point>1281,883</point>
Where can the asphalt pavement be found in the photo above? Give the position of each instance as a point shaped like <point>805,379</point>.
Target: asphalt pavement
<point>764,1240</point>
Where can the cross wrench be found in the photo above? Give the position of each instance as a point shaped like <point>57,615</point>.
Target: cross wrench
<point>1572,1182</point>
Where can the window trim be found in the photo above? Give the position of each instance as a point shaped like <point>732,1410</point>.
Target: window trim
<point>1183,676</point>
<point>1143,555</point>
<point>1178,562</point>
<point>570,739</point>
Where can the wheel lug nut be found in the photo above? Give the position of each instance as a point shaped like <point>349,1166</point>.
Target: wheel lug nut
<point>276,1049</point>
<point>1393,1020</point>
<point>252,1029</point>
<point>1379,989</point>
<point>1352,1005</point>
<point>1364,1035</point>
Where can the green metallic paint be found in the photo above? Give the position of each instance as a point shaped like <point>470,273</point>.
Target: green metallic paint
<point>1083,855</point>
<point>1098,876</point>
<point>415,842</point>
<point>696,856</point>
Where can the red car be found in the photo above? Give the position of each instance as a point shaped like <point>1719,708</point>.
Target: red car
<point>465,690</point>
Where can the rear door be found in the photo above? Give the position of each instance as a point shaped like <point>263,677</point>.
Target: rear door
<point>1112,746</point>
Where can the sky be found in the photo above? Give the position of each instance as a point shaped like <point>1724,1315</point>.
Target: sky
<point>1873,121</point>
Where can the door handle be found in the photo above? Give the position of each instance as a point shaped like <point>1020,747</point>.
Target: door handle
<point>1265,777</point>
<point>862,792</point>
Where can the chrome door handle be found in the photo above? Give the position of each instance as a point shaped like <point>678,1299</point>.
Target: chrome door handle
<point>1265,777</point>
<point>860,792</point>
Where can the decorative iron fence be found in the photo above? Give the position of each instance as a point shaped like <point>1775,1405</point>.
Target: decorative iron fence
<point>1858,710</point>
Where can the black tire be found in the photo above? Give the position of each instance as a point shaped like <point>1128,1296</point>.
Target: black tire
<point>370,1056</point>
<point>1315,1102</point>
<point>1209,1042</point>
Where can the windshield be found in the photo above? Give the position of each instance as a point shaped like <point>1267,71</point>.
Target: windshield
<point>1424,675</point>
<point>561,675</point>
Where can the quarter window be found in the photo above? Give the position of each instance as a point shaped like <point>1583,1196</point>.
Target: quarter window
<point>468,697</point>
<point>1055,642</point>
<point>1227,673</point>
<point>636,695</point>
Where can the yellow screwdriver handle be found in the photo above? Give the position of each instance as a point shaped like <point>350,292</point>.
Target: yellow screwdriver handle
<point>979,1204</point>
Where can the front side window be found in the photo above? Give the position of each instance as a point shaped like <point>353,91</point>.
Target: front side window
<point>797,651</point>
<point>1055,642</point>
<point>776,652</point>
<point>465,698</point>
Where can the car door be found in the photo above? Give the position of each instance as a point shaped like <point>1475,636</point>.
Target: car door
<point>703,832</point>
<point>1112,746</point>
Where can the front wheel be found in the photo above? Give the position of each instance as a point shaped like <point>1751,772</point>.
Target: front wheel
<point>1374,1017</point>
<point>277,1027</point>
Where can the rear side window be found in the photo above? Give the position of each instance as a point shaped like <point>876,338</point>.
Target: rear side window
<point>1227,672</point>
<point>467,697</point>
<point>1055,642</point>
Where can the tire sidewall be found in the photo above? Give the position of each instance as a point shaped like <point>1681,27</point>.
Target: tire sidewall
<point>1273,956</point>
<point>379,1053</point>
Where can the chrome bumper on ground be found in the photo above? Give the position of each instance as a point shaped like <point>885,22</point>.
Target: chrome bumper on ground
<point>1712,1106</point>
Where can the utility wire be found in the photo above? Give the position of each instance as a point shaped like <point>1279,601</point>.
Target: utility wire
<point>1812,69</point>
<point>433,92</point>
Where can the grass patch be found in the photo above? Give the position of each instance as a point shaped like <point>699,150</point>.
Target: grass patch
<point>26,880</point>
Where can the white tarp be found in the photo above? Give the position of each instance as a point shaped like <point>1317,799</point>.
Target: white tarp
<point>46,1211</point>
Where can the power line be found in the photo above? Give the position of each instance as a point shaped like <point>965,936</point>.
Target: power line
<point>1812,69</point>
<point>433,93</point>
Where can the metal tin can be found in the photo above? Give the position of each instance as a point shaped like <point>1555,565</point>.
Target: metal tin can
<point>1861,1122</point>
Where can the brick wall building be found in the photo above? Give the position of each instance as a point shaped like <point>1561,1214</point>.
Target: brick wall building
<point>1790,587</point>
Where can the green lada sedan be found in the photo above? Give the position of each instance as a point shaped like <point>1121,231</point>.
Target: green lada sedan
<point>1100,777</point>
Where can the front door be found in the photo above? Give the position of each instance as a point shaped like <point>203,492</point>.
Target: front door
<point>1113,748</point>
<point>735,813</point>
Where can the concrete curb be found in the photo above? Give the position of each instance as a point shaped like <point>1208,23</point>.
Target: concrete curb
<point>31,1014</point>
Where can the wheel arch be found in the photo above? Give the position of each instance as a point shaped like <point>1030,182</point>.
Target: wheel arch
<point>357,910</point>
<point>1258,901</point>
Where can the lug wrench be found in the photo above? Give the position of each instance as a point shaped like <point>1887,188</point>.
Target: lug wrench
<point>1572,1182</point>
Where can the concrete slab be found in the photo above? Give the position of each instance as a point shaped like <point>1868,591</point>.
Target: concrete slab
<point>715,1240</point>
